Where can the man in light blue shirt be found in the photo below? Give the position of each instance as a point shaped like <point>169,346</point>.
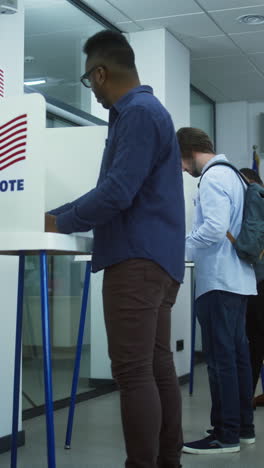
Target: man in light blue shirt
<point>223,282</point>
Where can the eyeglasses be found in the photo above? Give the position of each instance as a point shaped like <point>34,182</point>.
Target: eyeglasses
<point>85,80</point>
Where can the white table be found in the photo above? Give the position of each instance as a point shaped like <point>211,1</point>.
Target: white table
<point>42,244</point>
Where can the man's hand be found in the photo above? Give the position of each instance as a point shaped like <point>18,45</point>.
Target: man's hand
<point>50,223</point>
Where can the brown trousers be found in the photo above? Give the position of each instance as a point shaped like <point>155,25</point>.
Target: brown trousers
<point>138,296</point>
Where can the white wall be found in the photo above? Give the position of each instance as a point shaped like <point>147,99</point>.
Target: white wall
<point>232,134</point>
<point>12,50</point>
<point>164,64</point>
<point>12,63</point>
<point>256,133</point>
<point>177,81</point>
<point>238,129</point>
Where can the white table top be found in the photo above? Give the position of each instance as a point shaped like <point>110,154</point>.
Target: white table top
<point>30,243</point>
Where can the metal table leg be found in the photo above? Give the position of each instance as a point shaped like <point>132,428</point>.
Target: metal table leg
<point>78,356</point>
<point>47,360</point>
<point>262,377</point>
<point>17,369</point>
<point>193,333</point>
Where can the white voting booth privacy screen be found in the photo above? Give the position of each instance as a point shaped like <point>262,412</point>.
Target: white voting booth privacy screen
<point>72,159</point>
<point>51,167</point>
<point>56,166</point>
<point>21,163</point>
<point>40,169</point>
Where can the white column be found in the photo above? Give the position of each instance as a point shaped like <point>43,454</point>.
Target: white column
<point>12,65</point>
<point>232,132</point>
<point>162,63</point>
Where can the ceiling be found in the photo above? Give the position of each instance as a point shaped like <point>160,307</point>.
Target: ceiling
<point>227,57</point>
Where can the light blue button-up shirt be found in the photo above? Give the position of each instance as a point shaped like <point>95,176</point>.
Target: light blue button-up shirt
<point>219,208</point>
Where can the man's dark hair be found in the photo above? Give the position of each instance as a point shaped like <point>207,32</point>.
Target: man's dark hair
<point>251,175</point>
<point>111,46</point>
<point>193,139</point>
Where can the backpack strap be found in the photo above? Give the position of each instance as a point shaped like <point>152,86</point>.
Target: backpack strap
<point>242,179</point>
<point>226,163</point>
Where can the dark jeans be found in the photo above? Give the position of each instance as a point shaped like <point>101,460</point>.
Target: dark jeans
<point>138,296</point>
<point>255,332</point>
<point>222,318</point>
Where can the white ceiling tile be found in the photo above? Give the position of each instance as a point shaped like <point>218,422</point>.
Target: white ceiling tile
<point>209,89</point>
<point>258,59</point>
<point>41,4</point>
<point>245,86</point>
<point>227,19</point>
<point>210,5</point>
<point>129,27</point>
<point>193,25</point>
<point>250,42</point>
<point>210,46</point>
<point>106,10</point>
<point>145,9</point>
<point>212,68</point>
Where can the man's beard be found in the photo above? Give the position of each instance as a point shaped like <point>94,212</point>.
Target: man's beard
<point>196,173</point>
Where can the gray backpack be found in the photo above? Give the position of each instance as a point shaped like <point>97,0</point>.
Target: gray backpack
<point>249,243</point>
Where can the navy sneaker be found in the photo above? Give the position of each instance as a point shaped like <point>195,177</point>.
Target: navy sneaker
<point>209,445</point>
<point>244,439</point>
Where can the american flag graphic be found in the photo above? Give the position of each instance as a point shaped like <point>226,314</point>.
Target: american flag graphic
<point>2,82</point>
<point>13,135</point>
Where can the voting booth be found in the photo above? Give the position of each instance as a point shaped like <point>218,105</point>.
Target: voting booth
<point>41,169</point>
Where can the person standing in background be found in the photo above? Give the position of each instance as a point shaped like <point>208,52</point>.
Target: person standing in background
<point>137,215</point>
<point>223,282</point>
<point>255,313</point>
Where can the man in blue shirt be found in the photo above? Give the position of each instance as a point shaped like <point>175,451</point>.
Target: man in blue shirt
<point>136,212</point>
<point>223,282</point>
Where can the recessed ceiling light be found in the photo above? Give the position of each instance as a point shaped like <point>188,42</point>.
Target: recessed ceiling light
<point>251,19</point>
<point>34,82</point>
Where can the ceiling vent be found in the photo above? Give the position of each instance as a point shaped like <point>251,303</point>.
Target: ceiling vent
<point>252,20</point>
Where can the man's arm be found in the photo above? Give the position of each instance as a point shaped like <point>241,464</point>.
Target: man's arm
<point>216,208</point>
<point>135,155</point>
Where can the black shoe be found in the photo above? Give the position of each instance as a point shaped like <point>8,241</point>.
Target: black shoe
<point>246,440</point>
<point>210,445</point>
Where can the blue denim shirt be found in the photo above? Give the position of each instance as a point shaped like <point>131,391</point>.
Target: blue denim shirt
<point>137,207</point>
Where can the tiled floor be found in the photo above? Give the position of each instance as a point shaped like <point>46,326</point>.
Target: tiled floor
<point>97,437</point>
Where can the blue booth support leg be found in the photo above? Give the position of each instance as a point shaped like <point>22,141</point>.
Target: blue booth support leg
<point>78,355</point>
<point>262,377</point>
<point>47,359</point>
<point>193,333</point>
<point>192,351</point>
<point>17,369</point>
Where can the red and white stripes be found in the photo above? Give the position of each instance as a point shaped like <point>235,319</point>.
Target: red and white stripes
<point>2,82</point>
<point>13,135</point>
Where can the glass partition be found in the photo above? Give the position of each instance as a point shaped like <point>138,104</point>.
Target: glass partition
<point>66,278</point>
<point>202,112</point>
<point>55,32</point>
